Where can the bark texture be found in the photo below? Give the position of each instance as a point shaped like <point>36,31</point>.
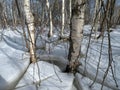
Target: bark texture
<point>97,15</point>
<point>50,18</point>
<point>63,16</point>
<point>77,22</point>
<point>31,28</point>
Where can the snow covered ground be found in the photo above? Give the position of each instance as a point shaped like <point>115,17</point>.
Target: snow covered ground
<point>15,68</point>
<point>93,58</point>
<point>47,76</point>
<point>13,64</point>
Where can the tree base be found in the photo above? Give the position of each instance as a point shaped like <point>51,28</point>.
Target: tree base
<point>72,67</point>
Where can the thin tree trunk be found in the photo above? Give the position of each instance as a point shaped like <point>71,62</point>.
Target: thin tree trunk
<point>51,24</point>
<point>70,8</point>
<point>4,16</point>
<point>50,19</point>
<point>63,16</point>
<point>31,28</point>
<point>77,22</point>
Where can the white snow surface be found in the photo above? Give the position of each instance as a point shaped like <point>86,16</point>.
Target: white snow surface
<point>93,59</point>
<point>84,83</point>
<point>15,68</point>
<point>45,76</point>
<point>13,64</point>
<point>14,39</point>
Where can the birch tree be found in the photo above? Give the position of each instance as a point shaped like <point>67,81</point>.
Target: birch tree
<point>70,7</point>
<point>50,19</point>
<point>31,28</point>
<point>77,22</point>
<point>63,16</point>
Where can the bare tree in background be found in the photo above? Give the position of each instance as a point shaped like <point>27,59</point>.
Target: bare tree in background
<point>31,29</point>
<point>50,19</point>
<point>70,8</point>
<point>63,16</point>
<point>96,17</point>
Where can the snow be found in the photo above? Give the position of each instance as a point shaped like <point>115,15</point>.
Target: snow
<point>84,83</point>
<point>45,76</point>
<point>13,64</point>
<point>15,68</point>
<point>60,61</point>
<point>47,73</point>
<point>14,39</point>
<point>61,49</point>
<point>93,59</point>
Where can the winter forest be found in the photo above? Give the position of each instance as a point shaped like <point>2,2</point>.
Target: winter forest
<point>59,45</point>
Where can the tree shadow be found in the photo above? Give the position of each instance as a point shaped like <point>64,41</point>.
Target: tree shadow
<point>3,83</point>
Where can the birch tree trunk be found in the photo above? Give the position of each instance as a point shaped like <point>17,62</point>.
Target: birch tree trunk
<point>31,29</point>
<point>63,16</point>
<point>77,22</point>
<point>70,7</point>
<point>50,19</point>
<point>51,24</point>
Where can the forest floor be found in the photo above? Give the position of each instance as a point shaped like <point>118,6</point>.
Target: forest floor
<point>15,69</point>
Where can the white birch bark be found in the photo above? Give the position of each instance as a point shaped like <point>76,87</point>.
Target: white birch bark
<point>31,28</point>
<point>50,18</point>
<point>51,24</point>
<point>70,7</point>
<point>77,22</point>
<point>63,16</point>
